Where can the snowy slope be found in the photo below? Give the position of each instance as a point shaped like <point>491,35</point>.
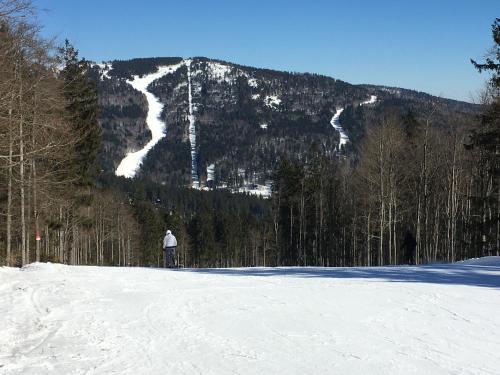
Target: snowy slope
<point>335,122</point>
<point>441,319</point>
<point>129,166</point>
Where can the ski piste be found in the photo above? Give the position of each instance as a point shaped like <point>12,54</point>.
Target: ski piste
<point>432,319</point>
<point>195,181</point>
<point>335,122</point>
<point>129,166</point>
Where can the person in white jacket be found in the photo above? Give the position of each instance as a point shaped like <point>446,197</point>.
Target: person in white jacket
<point>169,246</point>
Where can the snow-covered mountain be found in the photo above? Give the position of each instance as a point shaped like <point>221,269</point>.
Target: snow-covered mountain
<point>207,123</point>
<point>434,319</point>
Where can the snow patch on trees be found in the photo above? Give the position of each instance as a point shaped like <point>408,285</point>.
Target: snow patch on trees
<point>272,101</point>
<point>252,82</point>
<point>104,69</point>
<point>263,191</point>
<point>129,166</point>
<point>219,72</point>
<point>226,73</point>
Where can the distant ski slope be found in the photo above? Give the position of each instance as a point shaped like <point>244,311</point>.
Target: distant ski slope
<point>129,166</point>
<point>335,122</point>
<point>441,319</point>
<point>195,180</point>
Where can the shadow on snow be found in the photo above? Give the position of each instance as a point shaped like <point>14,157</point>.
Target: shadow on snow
<point>452,274</point>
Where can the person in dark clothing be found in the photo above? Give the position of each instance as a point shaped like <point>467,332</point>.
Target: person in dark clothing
<point>409,247</point>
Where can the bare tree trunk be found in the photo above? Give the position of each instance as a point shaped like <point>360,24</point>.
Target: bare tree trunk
<point>368,240</point>
<point>276,228</point>
<point>419,230</point>
<point>382,202</point>
<point>498,218</point>
<point>9,190</point>
<point>36,213</point>
<point>394,237</point>
<point>119,243</point>
<point>61,235</point>
<point>28,215</point>
<point>389,224</point>
<point>21,182</point>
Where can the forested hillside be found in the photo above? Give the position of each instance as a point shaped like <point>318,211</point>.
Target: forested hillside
<point>245,118</point>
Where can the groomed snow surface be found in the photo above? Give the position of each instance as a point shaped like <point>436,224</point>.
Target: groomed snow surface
<point>129,166</point>
<point>335,122</point>
<point>436,319</point>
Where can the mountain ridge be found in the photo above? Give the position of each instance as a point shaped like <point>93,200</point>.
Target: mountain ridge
<point>278,71</point>
<point>275,113</point>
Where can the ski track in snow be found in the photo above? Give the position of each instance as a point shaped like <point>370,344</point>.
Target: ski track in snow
<point>336,125</point>
<point>195,181</point>
<point>335,122</point>
<point>129,166</point>
<point>436,319</point>
<point>372,100</point>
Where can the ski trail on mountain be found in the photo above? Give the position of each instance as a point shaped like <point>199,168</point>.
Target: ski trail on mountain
<point>335,122</point>
<point>336,125</point>
<point>129,166</point>
<point>192,131</point>
<point>372,100</point>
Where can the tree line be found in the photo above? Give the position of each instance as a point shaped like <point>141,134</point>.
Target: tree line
<point>50,209</point>
<point>407,174</point>
<point>442,184</point>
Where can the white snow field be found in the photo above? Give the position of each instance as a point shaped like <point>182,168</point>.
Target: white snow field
<point>129,166</point>
<point>436,319</point>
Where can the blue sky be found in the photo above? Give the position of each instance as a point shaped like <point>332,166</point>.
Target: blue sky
<point>423,45</point>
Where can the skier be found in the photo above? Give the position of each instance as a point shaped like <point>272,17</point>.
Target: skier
<point>409,246</point>
<point>169,245</point>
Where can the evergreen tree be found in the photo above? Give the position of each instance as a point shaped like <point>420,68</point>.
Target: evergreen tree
<point>492,63</point>
<point>82,108</point>
<point>486,149</point>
